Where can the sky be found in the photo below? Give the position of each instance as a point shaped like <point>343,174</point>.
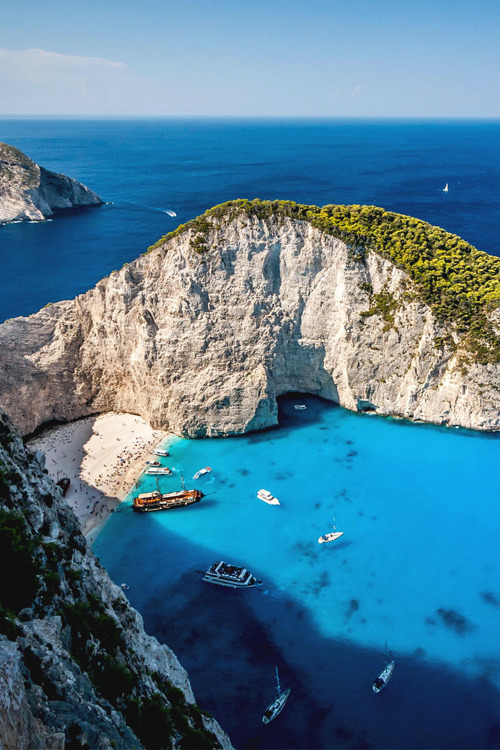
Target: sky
<point>259,58</point>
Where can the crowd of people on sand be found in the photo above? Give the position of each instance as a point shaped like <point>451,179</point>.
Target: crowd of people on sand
<point>102,456</point>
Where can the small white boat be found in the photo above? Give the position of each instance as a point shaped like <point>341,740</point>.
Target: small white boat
<point>153,463</point>
<point>160,452</point>
<point>278,705</point>
<point>160,472</point>
<point>202,472</point>
<point>299,407</point>
<point>381,681</point>
<point>266,497</point>
<point>331,536</point>
<point>124,586</point>
<point>170,212</point>
<point>446,188</point>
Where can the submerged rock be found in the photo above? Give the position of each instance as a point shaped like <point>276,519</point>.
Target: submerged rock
<point>29,192</point>
<point>455,621</point>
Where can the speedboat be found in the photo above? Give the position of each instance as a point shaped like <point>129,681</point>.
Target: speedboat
<point>232,576</point>
<point>299,407</point>
<point>202,472</point>
<point>267,497</point>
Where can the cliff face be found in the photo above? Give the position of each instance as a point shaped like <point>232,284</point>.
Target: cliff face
<point>202,344</point>
<point>30,192</point>
<point>77,668</point>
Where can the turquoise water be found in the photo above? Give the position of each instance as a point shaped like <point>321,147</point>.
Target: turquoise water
<point>418,567</point>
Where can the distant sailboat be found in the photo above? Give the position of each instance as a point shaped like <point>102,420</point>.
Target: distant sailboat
<point>331,536</point>
<point>381,681</point>
<point>446,188</point>
<point>276,706</point>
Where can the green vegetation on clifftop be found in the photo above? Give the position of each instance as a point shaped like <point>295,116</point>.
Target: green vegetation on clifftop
<point>459,283</point>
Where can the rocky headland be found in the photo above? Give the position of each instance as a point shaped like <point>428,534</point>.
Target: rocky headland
<point>77,668</point>
<point>29,192</point>
<point>373,310</point>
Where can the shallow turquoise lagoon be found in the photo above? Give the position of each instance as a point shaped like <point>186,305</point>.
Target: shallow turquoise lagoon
<point>418,567</point>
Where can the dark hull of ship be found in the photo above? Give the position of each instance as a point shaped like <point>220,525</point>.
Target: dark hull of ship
<point>231,584</point>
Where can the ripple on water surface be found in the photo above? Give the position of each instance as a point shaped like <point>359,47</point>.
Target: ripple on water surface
<point>417,567</point>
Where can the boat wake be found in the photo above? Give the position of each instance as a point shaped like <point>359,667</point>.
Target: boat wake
<point>141,208</point>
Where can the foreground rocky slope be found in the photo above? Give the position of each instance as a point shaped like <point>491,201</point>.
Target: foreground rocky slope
<point>201,334</point>
<point>30,192</point>
<point>77,669</point>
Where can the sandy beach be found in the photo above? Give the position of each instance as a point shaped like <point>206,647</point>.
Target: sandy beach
<point>102,456</point>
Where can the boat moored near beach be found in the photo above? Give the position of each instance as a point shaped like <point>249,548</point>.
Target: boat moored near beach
<point>160,452</point>
<point>232,576</point>
<point>160,471</point>
<point>151,501</point>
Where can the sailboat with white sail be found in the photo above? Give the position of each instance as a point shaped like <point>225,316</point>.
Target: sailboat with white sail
<point>446,188</point>
<point>332,535</point>
<point>278,705</point>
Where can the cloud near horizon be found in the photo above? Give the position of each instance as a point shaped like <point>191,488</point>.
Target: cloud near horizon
<point>43,82</point>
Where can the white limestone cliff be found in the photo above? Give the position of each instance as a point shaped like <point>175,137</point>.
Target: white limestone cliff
<point>29,192</point>
<point>202,344</point>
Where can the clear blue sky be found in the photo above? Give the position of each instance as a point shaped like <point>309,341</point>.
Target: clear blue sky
<point>326,58</point>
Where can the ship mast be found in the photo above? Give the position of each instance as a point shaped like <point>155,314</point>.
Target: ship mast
<point>278,683</point>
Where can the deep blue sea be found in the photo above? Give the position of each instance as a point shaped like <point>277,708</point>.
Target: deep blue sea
<point>146,166</point>
<point>419,563</point>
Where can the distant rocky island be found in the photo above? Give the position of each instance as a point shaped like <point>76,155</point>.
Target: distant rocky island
<point>367,308</point>
<point>29,192</point>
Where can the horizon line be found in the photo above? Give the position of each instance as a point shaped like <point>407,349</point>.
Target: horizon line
<point>303,118</point>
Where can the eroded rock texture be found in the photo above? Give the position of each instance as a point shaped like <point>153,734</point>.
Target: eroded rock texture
<point>31,192</point>
<point>203,343</point>
<point>76,667</point>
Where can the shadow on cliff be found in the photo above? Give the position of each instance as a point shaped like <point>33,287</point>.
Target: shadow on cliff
<point>230,641</point>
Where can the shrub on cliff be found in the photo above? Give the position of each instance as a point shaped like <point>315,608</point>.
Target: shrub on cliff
<point>459,283</point>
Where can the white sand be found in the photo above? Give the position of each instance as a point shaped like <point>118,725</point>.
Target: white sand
<point>102,456</point>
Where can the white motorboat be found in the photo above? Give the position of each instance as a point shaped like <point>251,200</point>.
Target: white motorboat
<point>381,681</point>
<point>202,472</point>
<point>160,471</point>
<point>331,536</point>
<point>299,407</point>
<point>278,705</point>
<point>160,452</point>
<point>232,576</point>
<point>267,497</point>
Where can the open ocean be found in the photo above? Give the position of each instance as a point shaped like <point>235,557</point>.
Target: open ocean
<point>419,563</point>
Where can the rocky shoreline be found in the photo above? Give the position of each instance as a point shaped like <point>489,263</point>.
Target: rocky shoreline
<point>77,667</point>
<point>29,192</point>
